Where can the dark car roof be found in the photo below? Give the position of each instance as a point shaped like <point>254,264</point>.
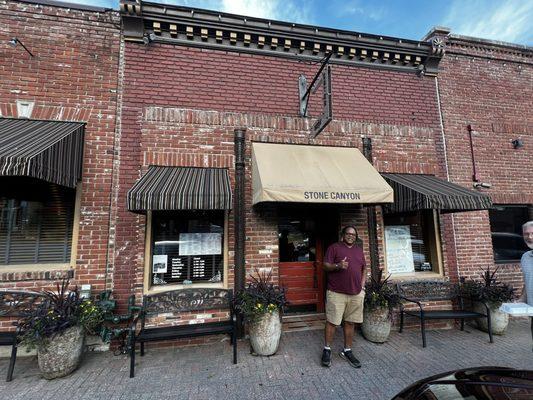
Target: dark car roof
<point>490,383</point>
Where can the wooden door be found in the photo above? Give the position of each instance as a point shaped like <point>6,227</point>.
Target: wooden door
<point>303,281</point>
<point>301,254</point>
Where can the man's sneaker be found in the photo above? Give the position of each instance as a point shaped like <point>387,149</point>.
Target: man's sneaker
<point>348,356</point>
<point>326,358</point>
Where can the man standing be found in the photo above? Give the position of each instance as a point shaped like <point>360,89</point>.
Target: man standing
<point>345,264</point>
<point>527,267</point>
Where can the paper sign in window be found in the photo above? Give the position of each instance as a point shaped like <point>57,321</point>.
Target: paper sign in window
<point>159,263</point>
<point>399,249</point>
<point>197,244</point>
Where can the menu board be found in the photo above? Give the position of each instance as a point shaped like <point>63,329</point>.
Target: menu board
<point>186,268</point>
<point>195,244</point>
<point>195,257</point>
<point>399,249</point>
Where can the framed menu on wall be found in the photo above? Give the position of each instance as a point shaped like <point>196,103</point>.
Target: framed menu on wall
<point>399,249</point>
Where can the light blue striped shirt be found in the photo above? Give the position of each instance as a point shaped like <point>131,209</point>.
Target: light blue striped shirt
<point>527,270</point>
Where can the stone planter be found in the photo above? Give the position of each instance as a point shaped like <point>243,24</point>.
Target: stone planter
<point>498,319</point>
<point>376,325</point>
<point>62,354</point>
<point>265,334</point>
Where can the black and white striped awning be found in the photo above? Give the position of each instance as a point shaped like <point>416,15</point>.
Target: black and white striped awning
<point>47,150</point>
<point>421,192</point>
<point>181,188</point>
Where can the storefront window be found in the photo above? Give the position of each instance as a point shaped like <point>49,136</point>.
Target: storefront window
<point>36,220</point>
<point>411,243</point>
<point>506,231</point>
<point>187,247</point>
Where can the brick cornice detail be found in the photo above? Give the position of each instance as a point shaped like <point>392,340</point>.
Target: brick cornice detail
<point>146,22</point>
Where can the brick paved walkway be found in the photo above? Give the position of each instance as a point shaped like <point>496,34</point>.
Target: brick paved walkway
<point>206,372</point>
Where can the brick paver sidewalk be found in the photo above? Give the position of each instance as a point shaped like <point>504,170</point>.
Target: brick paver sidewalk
<point>206,372</point>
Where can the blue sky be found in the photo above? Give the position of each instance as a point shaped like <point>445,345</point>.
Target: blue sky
<point>505,20</point>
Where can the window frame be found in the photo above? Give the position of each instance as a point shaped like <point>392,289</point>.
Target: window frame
<point>529,212</point>
<point>59,266</point>
<point>435,248</point>
<point>149,288</point>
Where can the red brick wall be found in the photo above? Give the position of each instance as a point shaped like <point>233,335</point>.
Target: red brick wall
<point>488,87</point>
<point>73,76</point>
<point>182,104</point>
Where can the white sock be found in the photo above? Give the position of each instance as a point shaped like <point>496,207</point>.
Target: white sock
<point>327,348</point>
<point>345,350</point>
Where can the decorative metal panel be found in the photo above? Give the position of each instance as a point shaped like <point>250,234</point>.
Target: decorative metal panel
<point>428,290</point>
<point>187,300</point>
<point>17,303</point>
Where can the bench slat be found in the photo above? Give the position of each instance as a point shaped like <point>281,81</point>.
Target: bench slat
<point>182,331</point>
<point>445,314</point>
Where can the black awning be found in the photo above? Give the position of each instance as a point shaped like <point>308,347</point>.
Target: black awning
<point>181,188</point>
<point>422,192</point>
<point>47,150</point>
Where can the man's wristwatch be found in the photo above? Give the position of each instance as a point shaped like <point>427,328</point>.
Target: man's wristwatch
<point>338,267</point>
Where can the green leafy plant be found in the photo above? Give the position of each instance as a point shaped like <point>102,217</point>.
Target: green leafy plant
<point>260,296</point>
<point>379,293</point>
<point>57,312</point>
<point>488,289</point>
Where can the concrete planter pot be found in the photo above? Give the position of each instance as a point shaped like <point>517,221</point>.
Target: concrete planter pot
<point>376,324</point>
<point>499,320</point>
<point>62,354</point>
<point>265,334</point>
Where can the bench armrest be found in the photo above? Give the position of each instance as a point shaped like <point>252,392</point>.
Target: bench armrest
<point>133,325</point>
<point>411,300</point>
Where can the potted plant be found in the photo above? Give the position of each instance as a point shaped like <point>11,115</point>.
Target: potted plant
<point>380,299</point>
<point>493,293</point>
<point>261,303</point>
<point>57,328</point>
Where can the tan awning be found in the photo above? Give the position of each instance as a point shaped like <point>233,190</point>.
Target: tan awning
<point>315,174</point>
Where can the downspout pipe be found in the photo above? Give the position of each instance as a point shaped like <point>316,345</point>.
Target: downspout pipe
<point>371,219</point>
<point>475,176</point>
<point>239,215</point>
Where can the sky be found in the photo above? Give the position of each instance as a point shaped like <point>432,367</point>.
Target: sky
<point>504,20</point>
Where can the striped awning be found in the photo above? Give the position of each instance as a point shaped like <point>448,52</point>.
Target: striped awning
<point>422,192</point>
<point>181,188</point>
<point>48,150</point>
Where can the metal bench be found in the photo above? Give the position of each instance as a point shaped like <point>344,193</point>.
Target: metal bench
<point>182,301</point>
<point>15,304</point>
<point>418,292</point>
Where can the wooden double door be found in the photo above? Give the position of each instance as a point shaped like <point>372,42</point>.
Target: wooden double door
<point>304,235</point>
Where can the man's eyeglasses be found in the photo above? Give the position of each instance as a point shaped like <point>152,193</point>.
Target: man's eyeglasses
<point>350,234</point>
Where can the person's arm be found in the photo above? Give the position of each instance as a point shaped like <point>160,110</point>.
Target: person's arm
<point>329,267</point>
<point>523,296</point>
<point>363,276</point>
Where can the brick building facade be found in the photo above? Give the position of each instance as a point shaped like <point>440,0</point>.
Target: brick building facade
<point>71,76</point>
<point>170,93</point>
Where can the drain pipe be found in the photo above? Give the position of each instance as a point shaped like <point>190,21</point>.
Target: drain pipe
<point>371,218</point>
<point>239,217</point>
<point>475,177</point>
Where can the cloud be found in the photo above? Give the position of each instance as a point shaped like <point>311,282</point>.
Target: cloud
<point>506,20</point>
<point>284,10</point>
<point>356,8</point>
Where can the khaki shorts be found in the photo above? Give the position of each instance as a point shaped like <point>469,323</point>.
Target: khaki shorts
<point>340,306</point>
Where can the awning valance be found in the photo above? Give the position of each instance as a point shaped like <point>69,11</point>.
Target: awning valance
<point>47,150</point>
<point>315,174</point>
<point>421,192</point>
<point>181,188</point>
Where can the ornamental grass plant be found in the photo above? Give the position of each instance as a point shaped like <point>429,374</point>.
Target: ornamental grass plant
<point>488,289</point>
<point>379,293</point>
<point>57,312</point>
<point>260,296</point>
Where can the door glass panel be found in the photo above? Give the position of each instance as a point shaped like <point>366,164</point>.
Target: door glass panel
<point>296,240</point>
